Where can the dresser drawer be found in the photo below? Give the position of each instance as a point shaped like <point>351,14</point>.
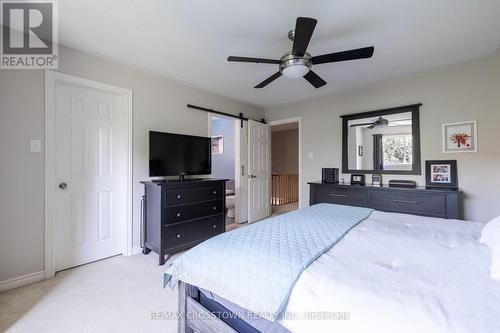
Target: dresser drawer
<point>178,196</point>
<point>185,233</point>
<point>180,213</point>
<point>341,196</point>
<point>411,203</point>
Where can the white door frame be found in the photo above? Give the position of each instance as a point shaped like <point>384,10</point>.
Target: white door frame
<point>288,121</point>
<point>51,78</point>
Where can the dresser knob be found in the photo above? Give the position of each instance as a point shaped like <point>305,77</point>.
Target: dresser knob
<point>178,196</point>
<point>214,226</point>
<point>215,207</point>
<point>215,192</point>
<point>178,214</point>
<point>178,235</point>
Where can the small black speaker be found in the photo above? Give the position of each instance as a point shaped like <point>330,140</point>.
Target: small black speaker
<point>403,183</point>
<point>330,175</point>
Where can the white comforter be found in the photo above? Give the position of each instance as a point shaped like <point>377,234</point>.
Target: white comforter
<point>400,273</point>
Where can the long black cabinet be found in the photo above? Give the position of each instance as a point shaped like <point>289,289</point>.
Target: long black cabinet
<point>420,201</point>
<point>180,214</point>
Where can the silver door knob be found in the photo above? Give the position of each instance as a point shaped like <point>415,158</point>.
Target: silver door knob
<point>63,186</point>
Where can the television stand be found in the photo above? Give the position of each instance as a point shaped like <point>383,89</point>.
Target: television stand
<point>178,215</point>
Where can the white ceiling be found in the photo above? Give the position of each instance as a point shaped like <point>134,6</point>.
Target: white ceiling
<point>189,40</point>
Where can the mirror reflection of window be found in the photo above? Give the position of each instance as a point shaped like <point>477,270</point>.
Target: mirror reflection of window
<point>397,151</point>
<point>386,142</point>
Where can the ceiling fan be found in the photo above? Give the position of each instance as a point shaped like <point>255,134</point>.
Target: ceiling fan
<point>298,62</point>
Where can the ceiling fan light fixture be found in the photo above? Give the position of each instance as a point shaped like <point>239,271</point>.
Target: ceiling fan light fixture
<point>295,71</point>
<point>294,67</point>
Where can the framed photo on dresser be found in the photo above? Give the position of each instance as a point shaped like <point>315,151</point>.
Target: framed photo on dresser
<point>357,179</point>
<point>441,174</point>
<point>377,180</point>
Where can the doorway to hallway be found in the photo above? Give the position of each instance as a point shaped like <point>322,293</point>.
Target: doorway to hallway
<point>285,167</point>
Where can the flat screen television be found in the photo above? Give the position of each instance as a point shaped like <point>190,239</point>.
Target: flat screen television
<point>176,155</point>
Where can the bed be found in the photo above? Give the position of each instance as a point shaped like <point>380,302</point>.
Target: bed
<point>387,272</point>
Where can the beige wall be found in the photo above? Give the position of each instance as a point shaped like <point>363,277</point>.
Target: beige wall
<point>285,151</point>
<point>459,92</point>
<point>21,173</point>
<point>158,104</point>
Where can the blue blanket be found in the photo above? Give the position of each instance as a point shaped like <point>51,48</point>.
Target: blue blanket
<point>257,266</point>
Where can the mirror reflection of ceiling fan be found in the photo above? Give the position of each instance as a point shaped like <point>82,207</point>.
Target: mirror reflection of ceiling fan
<point>382,122</point>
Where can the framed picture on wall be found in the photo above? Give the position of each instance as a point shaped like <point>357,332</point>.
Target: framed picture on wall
<point>460,137</point>
<point>441,174</point>
<point>218,144</point>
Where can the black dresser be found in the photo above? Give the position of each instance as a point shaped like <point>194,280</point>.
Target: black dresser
<point>419,201</point>
<point>178,215</point>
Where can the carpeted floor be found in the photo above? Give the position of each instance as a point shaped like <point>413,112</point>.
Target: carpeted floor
<point>278,210</point>
<point>119,294</point>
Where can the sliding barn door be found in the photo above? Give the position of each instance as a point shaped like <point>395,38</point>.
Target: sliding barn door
<point>259,171</point>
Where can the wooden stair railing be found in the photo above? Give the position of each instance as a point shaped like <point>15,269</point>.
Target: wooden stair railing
<point>285,189</point>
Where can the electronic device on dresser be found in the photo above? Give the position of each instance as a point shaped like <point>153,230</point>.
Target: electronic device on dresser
<point>179,155</point>
<point>330,175</point>
<point>177,215</point>
<point>442,203</point>
<point>402,183</point>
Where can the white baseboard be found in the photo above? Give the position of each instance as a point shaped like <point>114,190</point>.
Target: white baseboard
<point>136,250</point>
<point>21,281</point>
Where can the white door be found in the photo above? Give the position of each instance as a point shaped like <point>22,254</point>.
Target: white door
<point>90,166</point>
<point>259,171</point>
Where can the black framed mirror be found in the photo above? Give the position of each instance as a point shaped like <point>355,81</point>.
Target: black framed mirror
<point>383,141</point>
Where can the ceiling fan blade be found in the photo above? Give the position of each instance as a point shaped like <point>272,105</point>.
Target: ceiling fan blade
<point>304,28</point>
<point>365,124</point>
<point>314,79</point>
<point>254,60</point>
<point>365,52</point>
<point>400,121</point>
<point>268,80</point>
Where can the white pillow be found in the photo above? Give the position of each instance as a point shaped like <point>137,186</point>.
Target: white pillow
<point>490,235</point>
